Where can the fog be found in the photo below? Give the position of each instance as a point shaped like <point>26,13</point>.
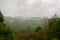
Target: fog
<point>30,8</point>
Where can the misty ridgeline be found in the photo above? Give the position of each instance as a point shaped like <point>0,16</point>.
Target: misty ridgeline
<point>32,28</point>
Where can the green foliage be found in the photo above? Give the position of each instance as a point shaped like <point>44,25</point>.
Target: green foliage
<point>55,39</point>
<point>50,22</point>
<point>6,33</point>
<point>1,17</point>
<point>56,25</point>
<point>38,29</point>
<point>56,28</point>
<point>50,32</point>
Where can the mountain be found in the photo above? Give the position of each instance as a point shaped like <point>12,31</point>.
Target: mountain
<point>20,23</point>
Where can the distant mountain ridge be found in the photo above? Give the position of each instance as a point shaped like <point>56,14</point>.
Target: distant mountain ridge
<point>20,23</point>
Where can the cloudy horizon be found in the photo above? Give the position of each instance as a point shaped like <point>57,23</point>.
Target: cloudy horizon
<point>30,8</point>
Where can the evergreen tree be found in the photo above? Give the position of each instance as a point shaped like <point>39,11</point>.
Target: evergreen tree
<point>6,33</point>
<point>1,18</point>
<point>56,29</point>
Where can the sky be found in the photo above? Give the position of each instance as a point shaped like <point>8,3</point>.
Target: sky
<point>30,8</point>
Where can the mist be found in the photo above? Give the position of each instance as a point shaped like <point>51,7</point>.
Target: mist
<point>30,8</point>
<point>29,19</point>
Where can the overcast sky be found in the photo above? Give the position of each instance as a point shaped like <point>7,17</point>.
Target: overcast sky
<point>30,8</point>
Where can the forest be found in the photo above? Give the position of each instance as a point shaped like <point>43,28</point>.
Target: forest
<point>33,28</point>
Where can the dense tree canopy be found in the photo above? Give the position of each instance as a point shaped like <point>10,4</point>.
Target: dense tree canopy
<point>1,17</point>
<point>56,28</point>
<point>6,33</point>
<point>50,32</point>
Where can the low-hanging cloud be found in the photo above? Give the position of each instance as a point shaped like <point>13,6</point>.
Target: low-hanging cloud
<point>30,8</point>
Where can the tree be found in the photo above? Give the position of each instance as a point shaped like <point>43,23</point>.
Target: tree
<point>38,29</point>
<point>6,33</point>
<point>56,29</point>
<point>52,20</point>
<point>1,17</point>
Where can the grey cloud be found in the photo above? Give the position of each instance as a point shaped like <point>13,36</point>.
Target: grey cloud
<point>21,8</point>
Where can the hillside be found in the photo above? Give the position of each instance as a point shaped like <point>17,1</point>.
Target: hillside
<point>20,23</point>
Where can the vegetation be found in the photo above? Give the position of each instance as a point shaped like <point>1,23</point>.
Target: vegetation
<point>50,32</point>
<point>30,29</point>
<point>6,33</point>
